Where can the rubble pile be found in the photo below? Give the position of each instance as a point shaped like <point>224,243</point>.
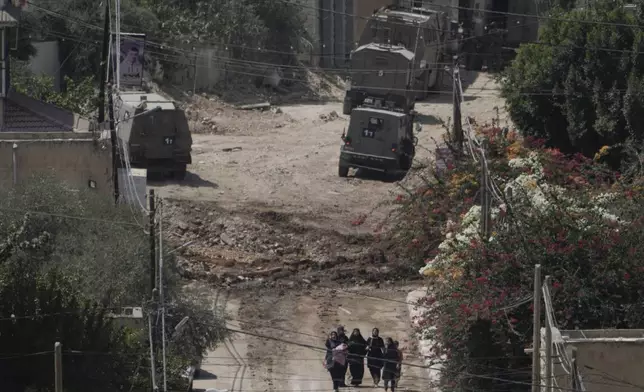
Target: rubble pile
<point>231,249</point>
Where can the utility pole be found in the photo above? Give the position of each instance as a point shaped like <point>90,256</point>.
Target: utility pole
<point>113,141</point>
<point>58,366</point>
<point>575,372</point>
<point>153,288</point>
<point>457,126</point>
<point>153,245</point>
<point>536,335</point>
<point>194,82</point>
<point>485,195</point>
<point>105,67</point>
<point>546,287</point>
<point>152,364</point>
<point>162,300</point>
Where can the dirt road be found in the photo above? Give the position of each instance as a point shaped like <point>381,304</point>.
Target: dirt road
<point>259,360</point>
<point>287,160</point>
<point>263,213</point>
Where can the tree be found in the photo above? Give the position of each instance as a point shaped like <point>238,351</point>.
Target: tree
<point>572,215</point>
<point>45,308</point>
<point>49,230</point>
<point>581,87</point>
<point>79,96</point>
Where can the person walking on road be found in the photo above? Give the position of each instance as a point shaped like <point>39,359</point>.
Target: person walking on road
<point>357,352</point>
<point>390,369</point>
<point>343,338</point>
<point>400,361</point>
<point>375,345</point>
<point>335,360</point>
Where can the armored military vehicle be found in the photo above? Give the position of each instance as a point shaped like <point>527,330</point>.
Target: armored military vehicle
<point>399,58</point>
<point>157,134</point>
<point>378,139</point>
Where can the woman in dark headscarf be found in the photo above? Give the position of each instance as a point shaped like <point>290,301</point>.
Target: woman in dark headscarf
<point>400,361</point>
<point>375,345</point>
<point>390,370</point>
<point>357,352</point>
<point>335,360</point>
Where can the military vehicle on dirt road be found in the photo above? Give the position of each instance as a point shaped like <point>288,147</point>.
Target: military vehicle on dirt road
<point>156,136</point>
<point>399,58</point>
<point>379,140</point>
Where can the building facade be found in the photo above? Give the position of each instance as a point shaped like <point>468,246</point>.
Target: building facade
<point>37,137</point>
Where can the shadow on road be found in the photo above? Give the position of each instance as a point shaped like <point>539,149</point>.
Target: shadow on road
<point>373,175</point>
<point>192,180</point>
<point>206,375</point>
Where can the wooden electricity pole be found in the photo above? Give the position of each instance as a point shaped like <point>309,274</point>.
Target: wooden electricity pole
<point>536,334</point>
<point>153,245</point>
<point>105,66</point>
<point>58,367</point>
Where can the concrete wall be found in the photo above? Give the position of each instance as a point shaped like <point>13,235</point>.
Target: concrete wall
<point>133,186</point>
<point>608,360</point>
<point>75,161</point>
<point>210,70</point>
<point>311,15</point>
<point>336,32</point>
<point>46,61</point>
<point>362,11</point>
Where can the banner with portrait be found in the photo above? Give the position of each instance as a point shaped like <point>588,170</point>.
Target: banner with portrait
<point>130,60</point>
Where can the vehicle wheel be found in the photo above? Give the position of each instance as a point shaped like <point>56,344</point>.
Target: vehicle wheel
<point>343,171</point>
<point>180,173</point>
<point>347,107</point>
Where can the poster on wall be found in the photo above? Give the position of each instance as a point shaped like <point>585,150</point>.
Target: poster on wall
<point>130,60</point>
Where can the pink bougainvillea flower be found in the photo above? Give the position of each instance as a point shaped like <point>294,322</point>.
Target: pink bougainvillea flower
<point>627,276</point>
<point>400,198</point>
<point>514,320</point>
<point>556,285</point>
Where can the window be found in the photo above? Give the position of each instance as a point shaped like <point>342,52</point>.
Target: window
<point>375,123</point>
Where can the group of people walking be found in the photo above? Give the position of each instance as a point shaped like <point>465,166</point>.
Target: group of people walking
<point>384,359</point>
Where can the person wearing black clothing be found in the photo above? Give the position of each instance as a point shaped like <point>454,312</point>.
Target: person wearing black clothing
<point>335,368</point>
<point>357,352</point>
<point>390,370</point>
<point>375,345</point>
<point>343,338</point>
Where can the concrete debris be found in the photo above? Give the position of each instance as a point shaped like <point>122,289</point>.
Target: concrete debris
<point>329,117</point>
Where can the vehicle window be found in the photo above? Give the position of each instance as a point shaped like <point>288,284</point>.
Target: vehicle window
<point>375,123</point>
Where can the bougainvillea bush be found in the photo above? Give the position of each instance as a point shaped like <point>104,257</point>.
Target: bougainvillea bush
<point>568,213</point>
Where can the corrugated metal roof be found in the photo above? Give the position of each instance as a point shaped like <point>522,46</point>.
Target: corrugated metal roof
<point>20,119</point>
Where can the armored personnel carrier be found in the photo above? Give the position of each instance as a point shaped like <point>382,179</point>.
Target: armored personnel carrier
<point>159,141</point>
<point>399,58</point>
<point>379,139</point>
